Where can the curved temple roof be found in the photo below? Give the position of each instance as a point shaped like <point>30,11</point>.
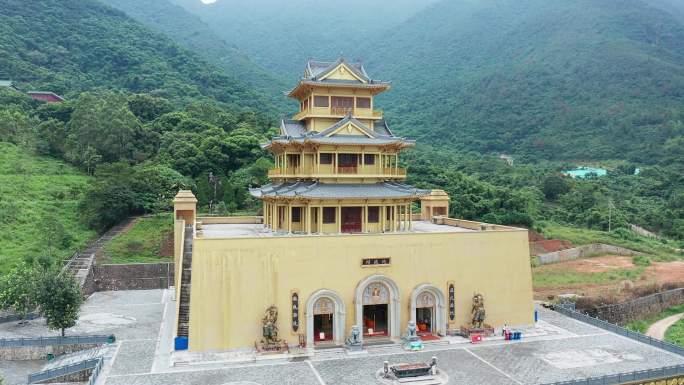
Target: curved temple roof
<point>316,71</point>
<point>293,131</point>
<point>316,190</point>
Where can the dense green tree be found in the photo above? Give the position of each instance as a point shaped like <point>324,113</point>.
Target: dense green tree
<point>57,111</point>
<point>18,290</point>
<point>17,127</point>
<point>156,185</point>
<point>51,138</point>
<point>60,299</point>
<point>554,186</point>
<point>147,107</point>
<point>104,123</point>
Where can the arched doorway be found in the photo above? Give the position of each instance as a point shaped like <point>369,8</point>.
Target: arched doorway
<point>377,307</point>
<point>425,313</point>
<point>325,318</point>
<point>428,307</point>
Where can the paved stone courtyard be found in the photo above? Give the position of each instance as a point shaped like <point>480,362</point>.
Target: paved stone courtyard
<point>558,348</point>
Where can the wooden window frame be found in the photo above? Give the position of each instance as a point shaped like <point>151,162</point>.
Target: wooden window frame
<point>328,157</point>
<point>363,98</point>
<point>318,98</point>
<point>327,216</point>
<point>373,214</point>
<point>296,218</point>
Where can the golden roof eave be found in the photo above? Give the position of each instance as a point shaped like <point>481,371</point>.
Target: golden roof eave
<point>310,84</point>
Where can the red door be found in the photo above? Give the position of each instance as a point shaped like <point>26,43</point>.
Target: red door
<point>351,219</point>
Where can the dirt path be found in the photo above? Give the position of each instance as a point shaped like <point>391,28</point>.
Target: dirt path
<point>658,329</point>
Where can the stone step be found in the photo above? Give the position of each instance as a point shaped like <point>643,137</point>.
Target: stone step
<point>72,358</point>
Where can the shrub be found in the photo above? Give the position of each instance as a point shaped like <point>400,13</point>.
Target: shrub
<point>641,260</point>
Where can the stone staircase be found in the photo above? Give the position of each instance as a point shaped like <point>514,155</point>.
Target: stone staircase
<point>76,357</point>
<point>79,264</point>
<point>186,281</point>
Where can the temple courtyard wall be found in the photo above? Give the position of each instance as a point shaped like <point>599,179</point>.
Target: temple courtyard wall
<point>234,281</point>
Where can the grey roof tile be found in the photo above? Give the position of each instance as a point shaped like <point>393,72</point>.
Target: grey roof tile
<point>316,69</point>
<point>294,131</point>
<point>292,128</point>
<point>316,190</point>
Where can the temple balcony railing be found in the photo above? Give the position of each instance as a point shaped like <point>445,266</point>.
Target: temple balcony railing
<point>338,112</point>
<point>327,171</point>
<point>341,111</point>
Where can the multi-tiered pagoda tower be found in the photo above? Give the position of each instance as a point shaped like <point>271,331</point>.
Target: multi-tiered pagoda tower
<point>337,161</point>
<point>273,282</point>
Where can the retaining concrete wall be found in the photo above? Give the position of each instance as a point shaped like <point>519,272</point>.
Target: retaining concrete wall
<point>582,252</point>
<point>24,353</point>
<point>138,276</point>
<point>639,308</point>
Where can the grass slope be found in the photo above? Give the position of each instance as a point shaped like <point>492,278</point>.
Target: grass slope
<point>643,324</point>
<point>675,333</point>
<point>142,243</point>
<point>657,250</point>
<point>32,189</point>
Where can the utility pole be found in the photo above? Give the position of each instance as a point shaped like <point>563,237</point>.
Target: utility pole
<point>610,213</point>
<point>213,181</point>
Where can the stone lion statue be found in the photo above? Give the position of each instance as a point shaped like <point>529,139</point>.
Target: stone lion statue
<point>269,326</point>
<point>478,311</point>
<point>355,337</point>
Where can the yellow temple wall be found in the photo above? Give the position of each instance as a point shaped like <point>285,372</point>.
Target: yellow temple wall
<point>235,280</point>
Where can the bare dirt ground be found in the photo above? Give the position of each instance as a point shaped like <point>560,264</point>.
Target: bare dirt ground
<point>166,249</point>
<point>666,272</point>
<point>595,265</point>
<point>657,274</point>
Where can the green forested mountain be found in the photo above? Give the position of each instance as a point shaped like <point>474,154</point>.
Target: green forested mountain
<point>69,46</point>
<point>542,79</point>
<point>282,35</point>
<point>581,79</point>
<point>192,33</point>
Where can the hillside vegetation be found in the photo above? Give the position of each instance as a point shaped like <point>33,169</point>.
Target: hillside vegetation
<point>39,197</point>
<point>282,35</point>
<point>71,46</point>
<point>540,79</point>
<point>195,35</point>
<point>570,80</point>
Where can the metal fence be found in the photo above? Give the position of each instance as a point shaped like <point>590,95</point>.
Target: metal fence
<point>96,371</point>
<point>620,330</point>
<point>93,363</point>
<point>626,378</point>
<point>49,341</point>
<point>622,378</point>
